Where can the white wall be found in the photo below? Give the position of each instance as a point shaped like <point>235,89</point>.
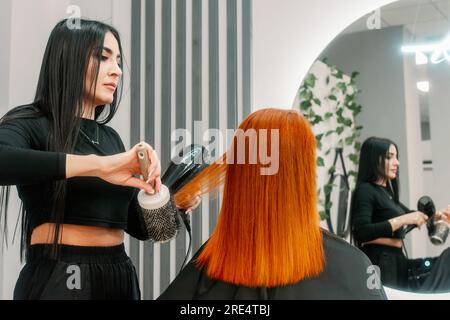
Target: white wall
<point>5,38</point>
<point>30,25</point>
<point>420,246</point>
<point>5,33</point>
<point>288,35</point>
<point>439,104</point>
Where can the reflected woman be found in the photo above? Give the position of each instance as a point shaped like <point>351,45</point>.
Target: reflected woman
<point>379,218</point>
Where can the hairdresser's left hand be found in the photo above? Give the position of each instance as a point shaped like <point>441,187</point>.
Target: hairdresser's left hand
<point>443,214</point>
<point>120,169</point>
<point>192,206</point>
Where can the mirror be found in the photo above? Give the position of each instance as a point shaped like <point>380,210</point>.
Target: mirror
<point>386,75</point>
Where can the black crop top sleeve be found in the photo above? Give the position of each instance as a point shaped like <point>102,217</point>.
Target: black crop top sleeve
<point>371,210</point>
<point>21,163</point>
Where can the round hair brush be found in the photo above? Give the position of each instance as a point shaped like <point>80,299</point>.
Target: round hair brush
<point>158,210</point>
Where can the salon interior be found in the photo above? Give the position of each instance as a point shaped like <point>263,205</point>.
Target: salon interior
<point>216,61</point>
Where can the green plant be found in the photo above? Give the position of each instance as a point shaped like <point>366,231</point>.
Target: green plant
<point>343,97</point>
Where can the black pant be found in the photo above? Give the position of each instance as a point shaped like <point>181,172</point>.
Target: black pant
<point>406,274</point>
<point>392,263</point>
<point>80,273</point>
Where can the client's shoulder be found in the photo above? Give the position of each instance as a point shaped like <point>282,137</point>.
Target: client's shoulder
<point>337,248</point>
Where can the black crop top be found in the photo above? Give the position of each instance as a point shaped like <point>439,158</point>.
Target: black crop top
<point>372,207</point>
<point>90,201</point>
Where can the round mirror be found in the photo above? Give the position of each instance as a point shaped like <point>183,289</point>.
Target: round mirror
<point>387,76</point>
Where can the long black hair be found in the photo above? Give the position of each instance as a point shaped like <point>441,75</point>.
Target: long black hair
<point>372,163</point>
<point>372,167</point>
<point>61,91</point>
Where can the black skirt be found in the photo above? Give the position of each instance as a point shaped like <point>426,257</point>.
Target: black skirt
<point>80,273</point>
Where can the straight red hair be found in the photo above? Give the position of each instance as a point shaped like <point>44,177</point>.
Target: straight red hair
<point>268,231</point>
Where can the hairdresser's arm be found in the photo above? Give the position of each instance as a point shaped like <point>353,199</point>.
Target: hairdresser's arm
<point>116,169</point>
<point>22,163</point>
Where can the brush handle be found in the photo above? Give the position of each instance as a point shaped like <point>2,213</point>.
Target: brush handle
<point>144,161</point>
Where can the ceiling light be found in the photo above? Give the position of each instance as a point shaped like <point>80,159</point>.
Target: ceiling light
<point>423,86</point>
<point>421,58</point>
<point>440,51</point>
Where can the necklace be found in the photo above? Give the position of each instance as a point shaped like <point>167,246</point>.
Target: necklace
<point>87,137</point>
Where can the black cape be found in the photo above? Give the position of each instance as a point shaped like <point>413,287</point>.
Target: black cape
<point>348,274</point>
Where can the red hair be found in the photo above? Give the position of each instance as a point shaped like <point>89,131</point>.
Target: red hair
<point>268,230</point>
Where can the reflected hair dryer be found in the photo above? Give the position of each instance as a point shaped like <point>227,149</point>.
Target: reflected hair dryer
<point>437,230</point>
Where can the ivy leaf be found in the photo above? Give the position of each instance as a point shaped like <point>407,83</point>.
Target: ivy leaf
<point>328,205</point>
<point>339,130</point>
<point>320,162</point>
<point>310,80</point>
<point>329,133</point>
<point>332,170</point>
<point>353,173</point>
<point>349,141</point>
<point>358,146</point>
<point>353,158</point>
<point>323,215</point>
<point>355,74</point>
<point>348,100</point>
<point>306,95</point>
<point>342,86</point>
<point>348,122</point>
<point>338,74</point>
<point>319,145</point>
<point>328,115</point>
<point>332,97</point>
<point>317,119</point>
<point>305,105</point>
<point>319,137</point>
<point>328,188</point>
<point>317,101</point>
<point>303,87</point>
<point>357,110</point>
<point>339,112</point>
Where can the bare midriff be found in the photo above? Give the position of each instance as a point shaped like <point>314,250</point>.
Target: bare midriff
<point>76,235</point>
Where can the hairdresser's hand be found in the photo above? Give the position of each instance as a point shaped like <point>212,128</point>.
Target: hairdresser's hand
<point>443,214</point>
<point>120,168</point>
<point>192,205</point>
<point>418,218</point>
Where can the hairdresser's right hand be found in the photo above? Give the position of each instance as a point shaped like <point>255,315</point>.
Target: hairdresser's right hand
<point>117,169</point>
<point>417,218</point>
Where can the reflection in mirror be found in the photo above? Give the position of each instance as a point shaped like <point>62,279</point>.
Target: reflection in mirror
<point>387,76</point>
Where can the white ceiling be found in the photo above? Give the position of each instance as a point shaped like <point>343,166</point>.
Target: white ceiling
<point>423,18</point>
